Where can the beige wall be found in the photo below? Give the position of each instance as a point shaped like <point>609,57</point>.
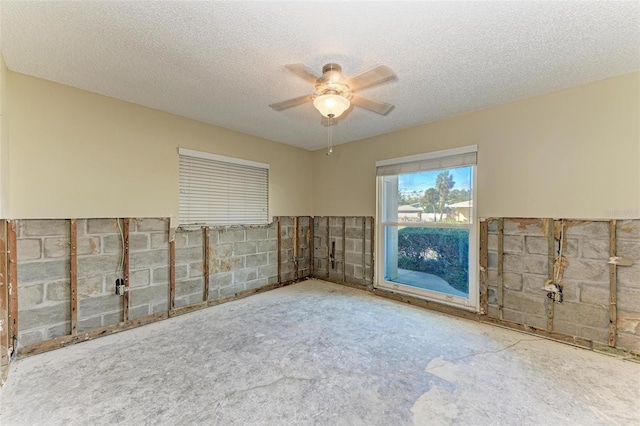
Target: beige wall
<point>78,154</point>
<point>573,153</point>
<point>4,143</point>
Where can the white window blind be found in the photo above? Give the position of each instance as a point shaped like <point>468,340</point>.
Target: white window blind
<point>218,190</point>
<point>447,159</point>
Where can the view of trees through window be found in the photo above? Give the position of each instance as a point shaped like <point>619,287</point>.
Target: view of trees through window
<point>434,211</point>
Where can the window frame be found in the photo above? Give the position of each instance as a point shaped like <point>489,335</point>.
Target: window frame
<point>235,167</point>
<point>472,302</point>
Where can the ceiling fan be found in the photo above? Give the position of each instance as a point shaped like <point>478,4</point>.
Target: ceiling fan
<point>334,93</point>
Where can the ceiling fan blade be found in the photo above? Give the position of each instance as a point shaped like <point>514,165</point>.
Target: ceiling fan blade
<point>279,106</point>
<point>302,71</point>
<point>378,75</point>
<point>372,105</point>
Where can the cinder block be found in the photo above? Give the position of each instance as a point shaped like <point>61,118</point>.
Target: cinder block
<point>148,295</point>
<point>103,226</point>
<point>272,232</point>
<point>525,263</point>
<point>89,323</point>
<point>59,330</point>
<point>524,226</point>
<point>590,270</point>
<point>181,239</point>
<point>253,260</point>
<point>244,275</point>
<point>57,247</point>
<point>582,314</point>
<point>492,260</point>
<point>268,271</point>
<point>45,227</point>
<point>565,327</point>
<point>587,229</point>
<point>260,282</point>
<point>43,315</point>
<point>223,279</point>
<point>31,337</point>
<point>628,249</point>
<point>160,307</point>
<point>512,281</point>
<point>593,333</point>
<point>536,245</point>
<point>571,290</point>
<point>98,305</point>
<point>152,224</point>
<point>161,275</point>
<point>30,296</point>
<point>190,286</point>
<point>89,245</point>
<point>114,317</point>
<point>593,248</point>
<point>90,285</point>
<point>159,240</point>
<point>628,229</point>
<point>535,320</point>
<point>595,294</point>
<point>231,289</point>
<point>29,249</point>
<point>629,322</point>
<point>59,290</point>
<point>492,242</point>
<point>232,235</point>
<point>240,249</point>
<point>511,315</point>
<point>221,251</point>
<point>149,258</point>
<point>534,284</point>
<point>266,246</point>
<point>139,278</point>
<point>492,295</point>
<point>354,233</point>
<point>257,234</point>
<point>524,303</point>
<point>629,299</point>
<point>196,269</point>
<point>629,276</point>
<point>42,271</point>
<point>628,341</point>
<point>354,258</point>
<point>96,264</point>
<point>139,311</point>
<point>189,255</point>
<point>513,243</point>
<point>349,270</point>
<point>137,242</point>
<point>195,238</point>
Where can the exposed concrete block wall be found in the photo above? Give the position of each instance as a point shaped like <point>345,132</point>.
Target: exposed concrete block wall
<point>100,262</point>
<point>628,246</point>
<point>584,311</point>
<point>43,261</point>
<point>287,263</point>
<point>241,258</point>
<point>189,267</point>
<point>343,249</point>
<point>148,267</point>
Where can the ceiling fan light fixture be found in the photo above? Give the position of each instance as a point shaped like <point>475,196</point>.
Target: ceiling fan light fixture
<point>331,105</point>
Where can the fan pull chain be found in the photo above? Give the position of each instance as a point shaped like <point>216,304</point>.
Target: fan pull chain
<point>330,143</point>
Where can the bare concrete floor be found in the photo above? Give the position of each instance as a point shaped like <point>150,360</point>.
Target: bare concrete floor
<point>319,353</point>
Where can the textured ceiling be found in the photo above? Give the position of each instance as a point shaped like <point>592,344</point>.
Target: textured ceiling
<point>223,62</point>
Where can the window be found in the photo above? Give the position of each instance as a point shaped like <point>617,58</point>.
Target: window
<point>428,226</point>
<point>218,190</point>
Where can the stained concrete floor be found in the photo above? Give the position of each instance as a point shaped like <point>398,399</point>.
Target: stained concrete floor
<point>319,353</point>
